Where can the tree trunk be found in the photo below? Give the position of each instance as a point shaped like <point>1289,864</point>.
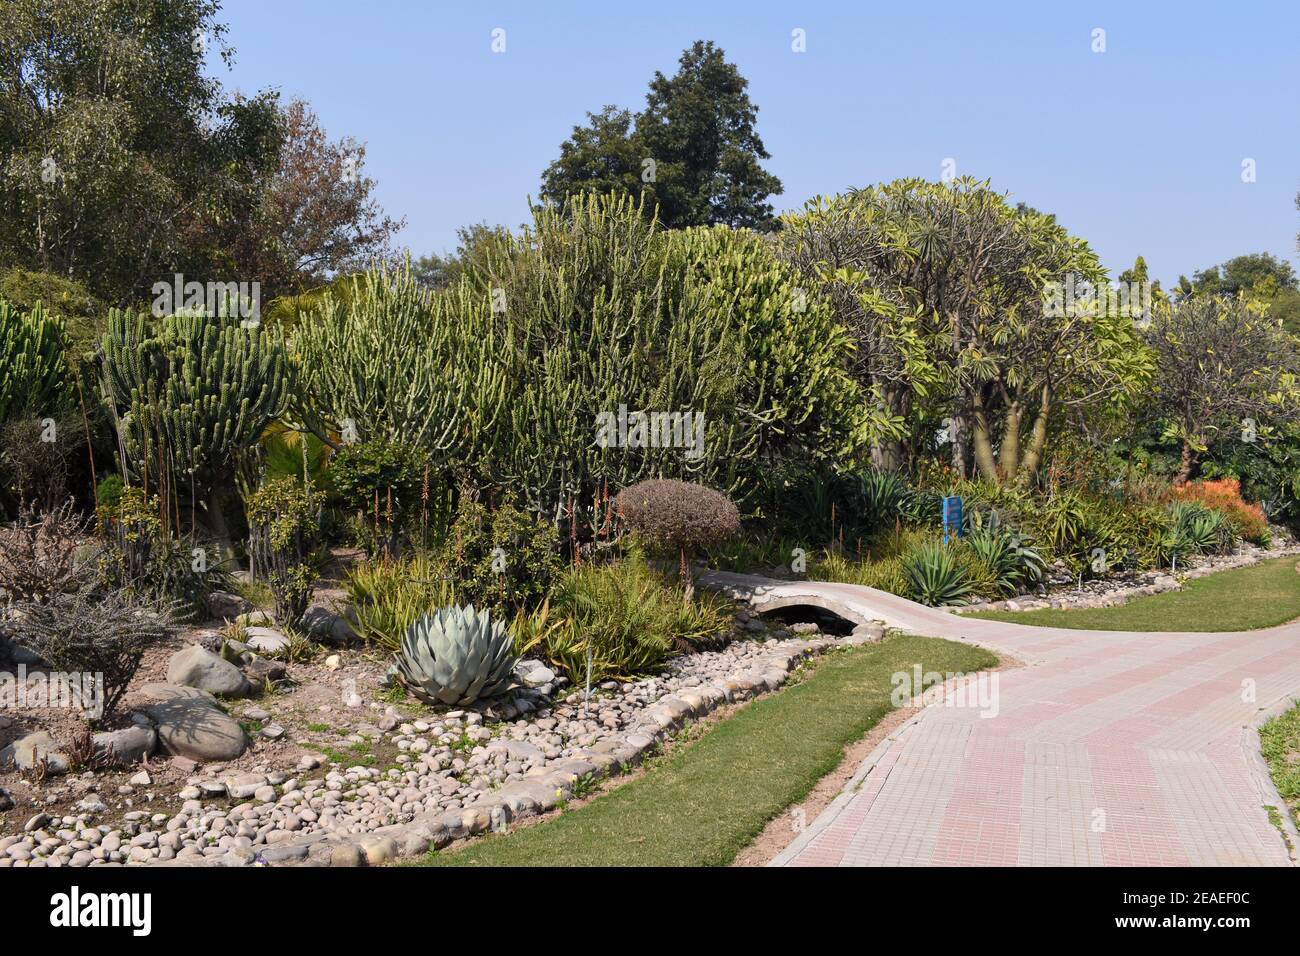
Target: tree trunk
<point>985,462</point>
<point>1033,456</point>
<point>957,435</point>
<point>1185,464</point>
<point>1009,463</point>
<point>215,519</point>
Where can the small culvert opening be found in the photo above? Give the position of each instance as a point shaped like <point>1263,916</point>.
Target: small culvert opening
<point>828,622</point>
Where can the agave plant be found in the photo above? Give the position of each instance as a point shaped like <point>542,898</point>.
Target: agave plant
<point>1012,563</point>
<point>883,495</point>
<point>935,575</point>
<point>455,656</point>
<point>1201,530</point>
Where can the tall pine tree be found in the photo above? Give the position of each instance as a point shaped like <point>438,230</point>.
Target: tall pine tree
<point>694,149</point>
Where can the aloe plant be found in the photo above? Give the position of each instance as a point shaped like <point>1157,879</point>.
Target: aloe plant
<point>455,656</point>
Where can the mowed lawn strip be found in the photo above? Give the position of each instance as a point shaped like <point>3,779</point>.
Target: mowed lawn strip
<point>1243,599</point>
<point>704,802</point>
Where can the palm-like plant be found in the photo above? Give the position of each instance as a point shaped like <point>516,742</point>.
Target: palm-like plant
<point>882,495</point>
<point>1012,564</point>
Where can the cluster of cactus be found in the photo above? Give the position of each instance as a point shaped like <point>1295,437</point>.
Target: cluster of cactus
<point>455,656</point>
<point>392,361</point>
<point>33,374</point>
<point>191,392</point>
<point>505,377</point>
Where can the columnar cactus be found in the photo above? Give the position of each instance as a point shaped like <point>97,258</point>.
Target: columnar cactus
<point>33,376</point>
<point>191,391</point>
<point>395,362</point>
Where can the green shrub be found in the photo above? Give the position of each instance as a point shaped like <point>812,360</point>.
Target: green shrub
<point>752,552</point>
<point>505,558</point>
<point>630,617</point>
<point>108,493</point>
<point>1005,560</point>
<point>389,595</point>
<point>386,490</point>
<point>63,298</point>
<point>283,526</point>
<point>883,496</point>
<point>1202,530</point>
<point>145,560</point>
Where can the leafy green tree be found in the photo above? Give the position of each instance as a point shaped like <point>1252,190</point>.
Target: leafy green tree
<point>694,149</point>
<point>603,156</point>
<point>1027,355</point>
<point>1260,273</point>
<point>1222,367</point>
<point>1260,276</point>
<point>1140,275</point>
<point>122,160</point>
<point>475,244</point>
<point>942,287</point>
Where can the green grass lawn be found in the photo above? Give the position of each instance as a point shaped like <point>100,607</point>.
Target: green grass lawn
<point>706,800</point>
<point>1242,599</point>
<point>1279,742</point>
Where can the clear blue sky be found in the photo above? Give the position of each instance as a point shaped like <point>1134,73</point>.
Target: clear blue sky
<point>1138,149</point>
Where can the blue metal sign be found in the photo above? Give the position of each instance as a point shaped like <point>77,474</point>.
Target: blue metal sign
<point>951,517</point>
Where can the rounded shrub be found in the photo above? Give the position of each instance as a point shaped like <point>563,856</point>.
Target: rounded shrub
<point>677,514</point>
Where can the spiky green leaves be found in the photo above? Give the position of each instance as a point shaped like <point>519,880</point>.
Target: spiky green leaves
<point>455,656</point>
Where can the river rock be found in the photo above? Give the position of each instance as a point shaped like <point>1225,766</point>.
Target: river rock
<point>225,606</point>
<point>196,667</point>
<point>326,626</point>
<point>128,746</point>
<point>266,640</point>
<point>533,673</point>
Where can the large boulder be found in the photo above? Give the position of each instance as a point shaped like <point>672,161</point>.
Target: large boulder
<point>191,724</point>
<point>225,606</point>
<point>27,752</point>
<point>265,640</point>
<point>127,746</point>
<point>197,667</point>
<point>326,626</point>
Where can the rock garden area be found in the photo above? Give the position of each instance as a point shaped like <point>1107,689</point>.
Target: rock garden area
<point>228,754</point>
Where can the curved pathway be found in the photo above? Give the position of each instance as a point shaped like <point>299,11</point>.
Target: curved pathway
<point>1107,748</point>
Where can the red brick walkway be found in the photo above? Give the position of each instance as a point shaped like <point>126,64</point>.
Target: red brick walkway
<point>1107,748</point>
